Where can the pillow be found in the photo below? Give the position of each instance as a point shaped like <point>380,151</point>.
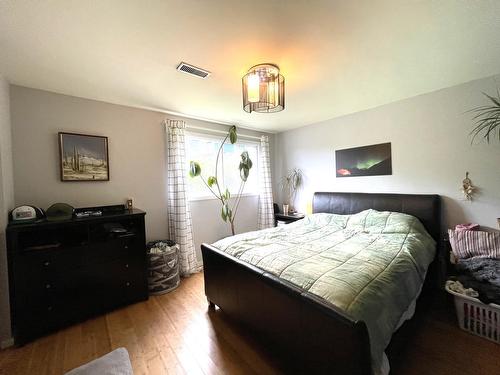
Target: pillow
<point>468,244</point>
<point>115,363</point>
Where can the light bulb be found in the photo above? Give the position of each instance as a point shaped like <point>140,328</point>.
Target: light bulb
<point>253,88</point>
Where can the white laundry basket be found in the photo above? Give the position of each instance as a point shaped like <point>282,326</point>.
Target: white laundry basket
<point>476,317</point>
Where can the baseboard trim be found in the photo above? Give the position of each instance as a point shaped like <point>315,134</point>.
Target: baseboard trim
<point>7,343</point>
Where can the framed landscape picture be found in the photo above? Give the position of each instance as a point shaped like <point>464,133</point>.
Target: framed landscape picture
<point>83,157</point>
<point>374,160</point>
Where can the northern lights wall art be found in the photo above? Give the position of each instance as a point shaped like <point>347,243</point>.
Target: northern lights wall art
<point>373,160</point>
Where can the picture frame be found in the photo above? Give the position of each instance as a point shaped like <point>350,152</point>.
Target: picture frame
<point>372,160</point>
<point>83,157</point>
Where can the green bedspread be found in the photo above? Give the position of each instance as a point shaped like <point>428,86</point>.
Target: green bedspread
<point>371,264</point>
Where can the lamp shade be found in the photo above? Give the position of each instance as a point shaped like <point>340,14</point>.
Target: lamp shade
<point>263,89</point>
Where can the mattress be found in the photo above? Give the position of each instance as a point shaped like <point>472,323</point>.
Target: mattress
<point>371,265</point>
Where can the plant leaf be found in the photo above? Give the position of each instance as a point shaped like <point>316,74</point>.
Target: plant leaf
<point>211,181</point>
<point>487,119</point>
<point>494,100</point>
<point>244,156</point>
<point>245,162</point>
<point>194,169</point>
<point>233,137</point>
<point>244,172</point>
<point>223,213</point>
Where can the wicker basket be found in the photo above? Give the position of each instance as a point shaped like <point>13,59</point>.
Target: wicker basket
<point>476,317</point>
<point>163,266</point>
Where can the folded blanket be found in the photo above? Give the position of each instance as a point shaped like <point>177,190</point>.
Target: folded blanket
<point>482,269</point>
<point>482,275</point>
<point>472,243</point>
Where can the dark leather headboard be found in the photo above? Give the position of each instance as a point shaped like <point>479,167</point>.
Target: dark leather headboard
<point>427,208</point>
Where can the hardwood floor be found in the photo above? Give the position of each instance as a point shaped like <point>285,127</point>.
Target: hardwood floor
<point>176,334</point>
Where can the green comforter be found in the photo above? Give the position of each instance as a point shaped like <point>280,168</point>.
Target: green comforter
<point>371,264</point>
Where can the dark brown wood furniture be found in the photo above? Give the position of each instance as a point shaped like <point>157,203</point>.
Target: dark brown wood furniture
<point>64,272</point>
<point>314,335</point>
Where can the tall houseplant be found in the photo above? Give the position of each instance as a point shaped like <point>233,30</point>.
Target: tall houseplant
<point>290,183</point>
<point>487,119</point>
<point>228,211</point>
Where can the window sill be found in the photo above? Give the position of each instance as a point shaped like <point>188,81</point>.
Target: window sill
<point>211,197</point>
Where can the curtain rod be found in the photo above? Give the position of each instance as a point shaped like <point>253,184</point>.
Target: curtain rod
<point>192,127</point>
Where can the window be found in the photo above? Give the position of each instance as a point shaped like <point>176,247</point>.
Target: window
<point>203,149</point>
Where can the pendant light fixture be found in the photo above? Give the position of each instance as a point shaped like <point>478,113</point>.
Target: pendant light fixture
<point>263,89</point>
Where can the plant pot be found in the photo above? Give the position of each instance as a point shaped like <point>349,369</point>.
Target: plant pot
<point>285,209</point>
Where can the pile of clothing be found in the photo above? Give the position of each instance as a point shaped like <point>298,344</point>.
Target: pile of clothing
<point>477,255</point>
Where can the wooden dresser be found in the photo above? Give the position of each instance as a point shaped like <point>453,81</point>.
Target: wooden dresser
<point>64,272</point>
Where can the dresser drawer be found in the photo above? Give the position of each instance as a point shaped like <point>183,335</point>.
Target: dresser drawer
<point>94,285</point>
<point>36,265</point>
<point>33,264</point>
<point>116,248</point>
<point>77,297</point>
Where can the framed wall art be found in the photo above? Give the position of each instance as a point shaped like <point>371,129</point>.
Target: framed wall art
<point>83,157</point>
<point>373,160</point>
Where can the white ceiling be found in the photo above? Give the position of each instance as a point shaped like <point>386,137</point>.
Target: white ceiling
<point>337,57</point>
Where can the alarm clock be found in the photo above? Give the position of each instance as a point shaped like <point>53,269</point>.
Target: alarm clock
<point>23,214</point>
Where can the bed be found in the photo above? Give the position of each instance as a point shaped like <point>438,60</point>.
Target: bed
<point>318,329</point>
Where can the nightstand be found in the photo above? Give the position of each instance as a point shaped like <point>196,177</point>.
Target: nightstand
<point>281,219</point>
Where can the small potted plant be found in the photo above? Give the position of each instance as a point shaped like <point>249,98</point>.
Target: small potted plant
<point>290,183</point>
<point>487,119</point>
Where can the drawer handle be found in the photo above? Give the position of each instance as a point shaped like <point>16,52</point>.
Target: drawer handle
<point>126,246</point>
<point>127,283</point>
<point>46,263</point>
<point>126,265</point>
<point>47,286</point>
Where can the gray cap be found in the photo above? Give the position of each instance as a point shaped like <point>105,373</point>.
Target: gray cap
<point>59,211</point>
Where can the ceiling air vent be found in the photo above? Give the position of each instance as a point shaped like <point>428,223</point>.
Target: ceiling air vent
<point>193,70</point>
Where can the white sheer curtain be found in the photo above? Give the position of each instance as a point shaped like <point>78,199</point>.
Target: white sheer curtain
<point>179,215</point>
<point>266,211</point>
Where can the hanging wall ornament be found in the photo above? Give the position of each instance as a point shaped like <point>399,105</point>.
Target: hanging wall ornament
<point>467,188</point>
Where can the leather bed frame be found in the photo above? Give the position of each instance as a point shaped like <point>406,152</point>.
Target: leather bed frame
<point>312,334</point>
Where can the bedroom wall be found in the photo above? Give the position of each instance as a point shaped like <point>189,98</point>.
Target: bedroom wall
<point>6,204</point>
<point>431,151</point>
<point>136,153</point>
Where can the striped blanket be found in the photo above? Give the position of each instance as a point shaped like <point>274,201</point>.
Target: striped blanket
<point>469,244</point>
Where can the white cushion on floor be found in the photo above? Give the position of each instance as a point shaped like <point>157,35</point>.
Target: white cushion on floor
<point>115,363</point>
